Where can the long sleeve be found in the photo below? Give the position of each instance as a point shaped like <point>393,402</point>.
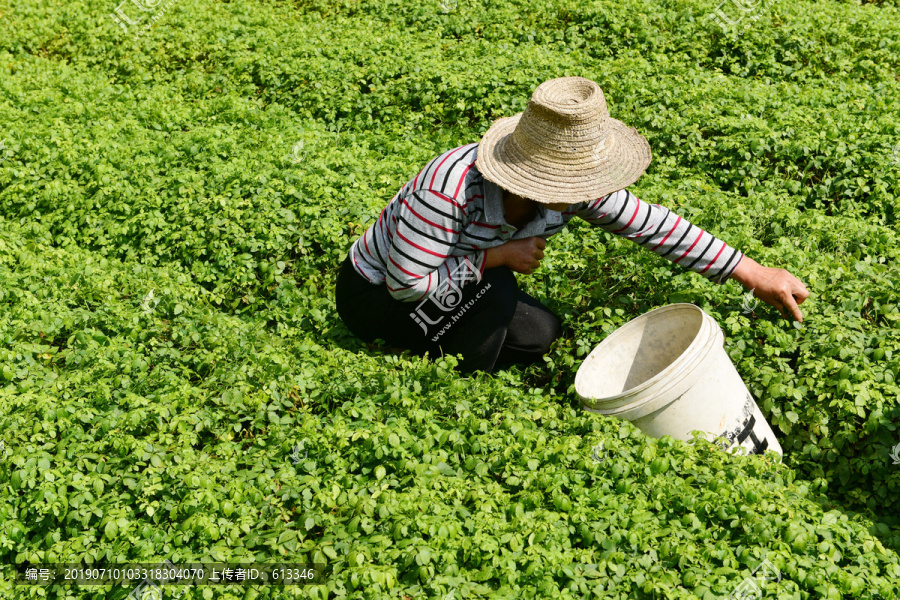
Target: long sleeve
<point>658,229</point>
<point>423,231</point>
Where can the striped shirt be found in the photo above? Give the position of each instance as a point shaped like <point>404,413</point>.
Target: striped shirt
<point>449,214</point>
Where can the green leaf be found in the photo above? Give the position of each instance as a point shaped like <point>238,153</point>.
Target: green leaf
<point>111,530</point>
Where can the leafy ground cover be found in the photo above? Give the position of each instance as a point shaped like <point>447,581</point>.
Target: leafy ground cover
<point>226,158</point>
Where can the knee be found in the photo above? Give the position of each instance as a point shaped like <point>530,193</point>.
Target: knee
<point>546,330</point>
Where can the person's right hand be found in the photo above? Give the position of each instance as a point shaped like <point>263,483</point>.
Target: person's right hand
<point>777,287</point>
<point>524,256</point>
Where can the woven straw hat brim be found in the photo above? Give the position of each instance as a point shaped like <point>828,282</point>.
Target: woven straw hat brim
<point>551,175</point>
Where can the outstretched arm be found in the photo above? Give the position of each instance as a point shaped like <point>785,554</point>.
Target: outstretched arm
<point>671,236</point>
<point>659,230</point>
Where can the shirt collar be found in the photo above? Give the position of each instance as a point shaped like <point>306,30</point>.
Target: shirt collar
<point>495,215</point>
<point>493,203</point>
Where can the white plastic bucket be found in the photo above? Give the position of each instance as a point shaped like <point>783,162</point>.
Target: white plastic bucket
<point>668,373</point>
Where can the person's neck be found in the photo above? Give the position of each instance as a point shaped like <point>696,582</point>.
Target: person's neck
<point>518,211</point>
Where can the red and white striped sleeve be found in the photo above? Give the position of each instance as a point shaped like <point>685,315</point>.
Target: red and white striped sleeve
<point>424,230</point>
<point>658,229</point>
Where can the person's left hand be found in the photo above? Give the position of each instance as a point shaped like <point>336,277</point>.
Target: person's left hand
<point>776,287</point>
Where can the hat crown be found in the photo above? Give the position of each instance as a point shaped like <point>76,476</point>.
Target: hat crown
<point>569,100</point>
<point>565,116</point>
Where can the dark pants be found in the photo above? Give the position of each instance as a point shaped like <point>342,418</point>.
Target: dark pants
<point>492,324</point>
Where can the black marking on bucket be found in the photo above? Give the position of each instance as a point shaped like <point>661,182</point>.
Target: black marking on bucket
<point>759,446</point>
<point>745,430</point>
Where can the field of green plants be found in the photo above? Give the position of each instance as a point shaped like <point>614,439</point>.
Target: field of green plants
<point>178,188</point>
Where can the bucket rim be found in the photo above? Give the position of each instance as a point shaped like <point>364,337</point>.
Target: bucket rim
<point>698,348</point>
<point>658,398</point>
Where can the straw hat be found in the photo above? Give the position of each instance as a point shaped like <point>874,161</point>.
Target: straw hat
<point>564,147</point>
